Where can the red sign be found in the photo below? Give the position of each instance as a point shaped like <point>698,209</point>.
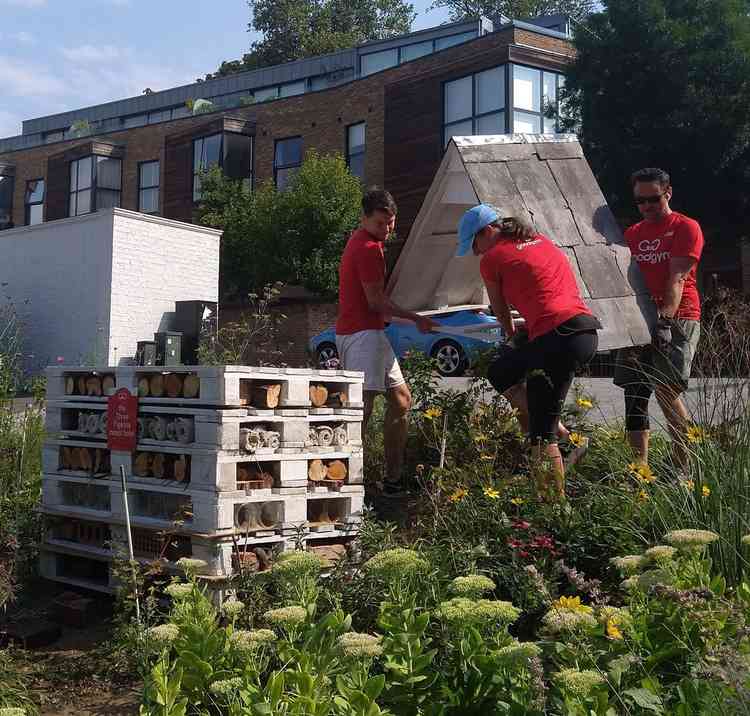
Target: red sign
<point>122,420</point>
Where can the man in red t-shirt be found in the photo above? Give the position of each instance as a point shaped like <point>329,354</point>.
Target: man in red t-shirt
<point>667,246</point>
<point>360,328</point>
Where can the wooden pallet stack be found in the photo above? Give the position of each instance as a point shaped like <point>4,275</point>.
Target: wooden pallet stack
<point>233,463</point>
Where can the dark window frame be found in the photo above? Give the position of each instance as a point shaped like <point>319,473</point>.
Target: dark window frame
<point>540,113</point>
<point>250,180</point>
<point>27,204</point>
<point>277,167</point>
<point>154,186</point>
<point>94,188</point>
<point>202,169</point>
<point>11,193</point>
<point>349,153</point>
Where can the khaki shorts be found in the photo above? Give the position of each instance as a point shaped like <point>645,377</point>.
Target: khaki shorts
<point>646,364</point>
<point>370,351</point>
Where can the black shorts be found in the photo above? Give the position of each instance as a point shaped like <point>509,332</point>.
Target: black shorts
<point>548,365</point>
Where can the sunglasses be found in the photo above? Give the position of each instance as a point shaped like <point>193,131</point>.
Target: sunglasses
<point>649,199</point>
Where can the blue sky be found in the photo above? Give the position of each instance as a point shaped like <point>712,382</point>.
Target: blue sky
<point>57,55</point>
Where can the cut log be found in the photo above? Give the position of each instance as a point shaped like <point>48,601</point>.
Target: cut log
<point>143,387</point>
<point>92,423</point>
<point>336,399</point>
<point>103,423</point>
<point>94,386</point>
<point>317,471</point>
<point>156,385</point>
<point>85,459</point>
<point>246,561</point>
<point>81,385</point>
<point>330,553</point>
<point>173,385</point>
<point>98,455</point>
<point>142,464</point>
<point>108,384</point>
<point>266,397</point>
<point>180,469</point>
<point>157,465</point>
<point>74,463</point>
<point>318,395</point>
<point>325,436</point>
<point>65,459</point>
<point>157,428</point>
<point>184,430</point>
<point>70,385</point>
<point>337,470</point>
<point>191,386</point>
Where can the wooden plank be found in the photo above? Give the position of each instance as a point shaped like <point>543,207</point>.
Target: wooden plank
<point>558,150</point>
<point>629,269</point>
<point>494,185</point>
<point>571,254</point>
<point>496,152</point>
<point>614,333</point>
<point>544,201</point>
<point>600,272</point>
<point>447,218</point>
<point>578,186</point>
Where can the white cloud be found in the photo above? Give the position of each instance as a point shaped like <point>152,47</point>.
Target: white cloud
<point>10,123</point>
<point>24,38</point>
<point>24,3</point>
<point>93,54</point>
<point>24,80</point>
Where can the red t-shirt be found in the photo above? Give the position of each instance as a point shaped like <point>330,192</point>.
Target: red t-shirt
<point>537,280</point>
<point>362,262</point>
<point>653,244</point>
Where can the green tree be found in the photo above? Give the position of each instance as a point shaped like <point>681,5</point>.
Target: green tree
<point>518,9</point>
<point>665,83</point>
<point>295,236</point>
<point>295,29</point>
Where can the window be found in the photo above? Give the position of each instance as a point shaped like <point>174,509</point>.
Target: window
<point>292,89</point>
<point>535,100</point>
<point>34,202</point>
<point>355,149</point>
<point>475,104</point>
<point>233,153</point>
<point>419,49</point>
<point>287,160</point>
<point>443,42</point>
<point>162,115</point>
<point>148,187</point>
<point>95,183</point>
<point>50,137</point>
<point>7,185</point>
<point>136,120</point>
<point>262,95</point>
<point>206,154</point>
<point>377,61</point>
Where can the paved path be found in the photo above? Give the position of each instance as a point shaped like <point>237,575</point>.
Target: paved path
<point>704,399</point>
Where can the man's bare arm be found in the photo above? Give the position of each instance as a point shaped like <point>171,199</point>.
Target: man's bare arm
<point>679,269</point>
<point>378,301</point>
<point>500,307</point>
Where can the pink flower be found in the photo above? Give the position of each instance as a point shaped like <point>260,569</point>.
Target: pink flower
<point>521,525</point>
<point>523,554</point>
<point>60,359</point>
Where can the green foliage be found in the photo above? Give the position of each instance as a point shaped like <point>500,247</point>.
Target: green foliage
<point>295,236</point>
<point>646,86</point>
<point>515,9</point>
<point>295,29</point>
<point>14,689</point>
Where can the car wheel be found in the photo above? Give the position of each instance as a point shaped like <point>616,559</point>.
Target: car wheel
<point>326,352</point>
<point>450,358</point>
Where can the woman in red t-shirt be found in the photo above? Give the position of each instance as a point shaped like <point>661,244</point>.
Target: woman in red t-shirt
<point>526,270</point>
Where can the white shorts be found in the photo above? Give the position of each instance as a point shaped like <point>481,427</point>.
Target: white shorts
<point>370,351</point>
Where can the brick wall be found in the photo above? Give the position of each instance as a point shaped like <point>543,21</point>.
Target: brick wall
<point>305,318</point>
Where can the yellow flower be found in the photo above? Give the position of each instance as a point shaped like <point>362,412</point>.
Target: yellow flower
<point>706,491</point>
<point>584,403</point>
<point>576,439</point>
<point>432,413</point>
<point>689,485</point>
<point>572,604</point>
<point>643,496</point>
<point>491,492</point>
<point>480,438</point>
<point>517,501</point>
<point>613,631</point>
<point>696,434</point>
<point>487,457</point>
<point>458,494</point>
<point>642,472</point>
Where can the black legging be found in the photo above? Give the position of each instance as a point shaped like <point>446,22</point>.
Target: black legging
<point>548,364</point>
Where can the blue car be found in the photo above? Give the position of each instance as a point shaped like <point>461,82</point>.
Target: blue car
<point>452,353</point>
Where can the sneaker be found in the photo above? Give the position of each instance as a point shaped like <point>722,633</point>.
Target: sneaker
<point>576,453</point>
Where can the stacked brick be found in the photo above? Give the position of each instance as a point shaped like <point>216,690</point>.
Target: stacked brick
<point>232,465</point>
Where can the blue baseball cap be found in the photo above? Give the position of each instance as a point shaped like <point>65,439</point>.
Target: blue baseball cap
<point>473,221</point>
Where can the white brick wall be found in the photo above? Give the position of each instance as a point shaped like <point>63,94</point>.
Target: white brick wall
<point>95,285</point>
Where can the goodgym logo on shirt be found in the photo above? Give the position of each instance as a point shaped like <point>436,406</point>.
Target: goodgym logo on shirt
<point>525,244</point>
<point>650,253</point>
